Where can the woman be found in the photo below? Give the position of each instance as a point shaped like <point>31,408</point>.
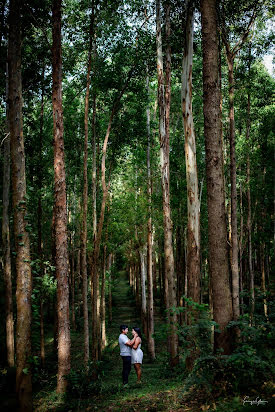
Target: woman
<point>137,354</point>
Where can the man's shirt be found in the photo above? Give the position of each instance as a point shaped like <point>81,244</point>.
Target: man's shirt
<point>125,350</point>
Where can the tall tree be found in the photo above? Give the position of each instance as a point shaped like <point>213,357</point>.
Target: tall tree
<point>39,220</point>
<point>150,301</point>
<point>164,100</point>
<point>6,246</point>
<point>23,269</point>
<point>249,215</point>
<point>60,220</point>
<point>231,53</point>
<point>217,234</point>
<point>193,203</point>
<point>85,197</point>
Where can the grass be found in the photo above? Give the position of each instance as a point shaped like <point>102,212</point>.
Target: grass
<point>160,390</point>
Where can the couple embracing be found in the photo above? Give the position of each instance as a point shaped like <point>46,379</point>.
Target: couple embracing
<point>130,352</point>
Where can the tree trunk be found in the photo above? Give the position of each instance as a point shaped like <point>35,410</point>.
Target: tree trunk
<point>164,96</point>
<point>39,222</point>
<point>60,207</point>
<point>85,199</point>
<point>73,285</point>
<point>94,181</point>
<point>23,269</point>
<point>217,234</point>
<point>249,217</point>
<point>193,203</point>
<point>150,304</point>
<point>241,251</point>
<point>102,302</point>
<point>180,271</point>
<point>109,266</point>
<point>262,249</point>
<point>6,243</point>
<point>233,181</point>
<point>143,290</point>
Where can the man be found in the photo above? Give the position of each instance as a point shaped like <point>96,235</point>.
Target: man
<point>125,345</point>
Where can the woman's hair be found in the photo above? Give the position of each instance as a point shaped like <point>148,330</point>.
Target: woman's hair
<point>138,331</point>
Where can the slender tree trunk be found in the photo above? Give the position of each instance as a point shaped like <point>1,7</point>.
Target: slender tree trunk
<point>102,302</point>
<point>143,290</point>
<point>85,199</point>
<point>73,285</point>
<point>150,304</point>
<point>60,207</point>
<point>94,180</point>
<point>241,250</point>
<point>262,249</point>
<point>249,216</point>
<point>6,242</point>
<point>39,224</point>
<point>23,269</point>
<point>109,266</point>
<point>164,96</point>
<point>193,204</point>
<point>217,234</point>
<point>180,271</point>
<point>42,334</point>
<point>233,179</point>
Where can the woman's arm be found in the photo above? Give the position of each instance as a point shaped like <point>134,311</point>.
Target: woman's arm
<point>137,342</point>
<point>131,342</point>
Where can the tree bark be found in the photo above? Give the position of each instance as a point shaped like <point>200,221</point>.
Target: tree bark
<point>249,216</point>
<point>6,242</point>
<point>233,180</point>
<point>94,174</point>
<point>217,234</point>
<point>193,203</point>
<point>143,290</point>
<point>241,251</point>
<point>39,223</point>
<point>262,257</point>
<point>85,198</point>
<point>60,207</point>
<point>102,301</point>
<point>150,304</point>
<point>73,285</point>
<point>23,269</point>
<point>164,97</point>
<point>109,266</point>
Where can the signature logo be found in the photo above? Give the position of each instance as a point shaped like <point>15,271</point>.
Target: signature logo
<point>258,401</point>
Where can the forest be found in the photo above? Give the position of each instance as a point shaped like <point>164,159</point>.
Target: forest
<point>137,189</point>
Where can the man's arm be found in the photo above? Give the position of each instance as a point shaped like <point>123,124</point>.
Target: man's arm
<point>130,342</point>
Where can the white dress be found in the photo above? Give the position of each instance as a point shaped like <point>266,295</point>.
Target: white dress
<point>137,355</point>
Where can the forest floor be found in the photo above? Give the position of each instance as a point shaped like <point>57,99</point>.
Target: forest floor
<point>159,391</point>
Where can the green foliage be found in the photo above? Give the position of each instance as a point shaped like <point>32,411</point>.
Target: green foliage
<point>196,334</point>
<point>250,364</point>
<point>82,383</point>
